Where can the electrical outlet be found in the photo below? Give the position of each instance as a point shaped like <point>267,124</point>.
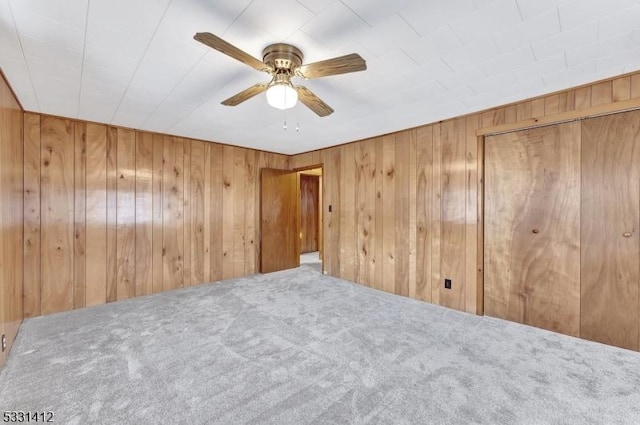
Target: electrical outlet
<point>4,343</point>
<point>447,284</point>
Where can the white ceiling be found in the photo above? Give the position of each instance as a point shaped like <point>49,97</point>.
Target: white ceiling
<point>134,63</point>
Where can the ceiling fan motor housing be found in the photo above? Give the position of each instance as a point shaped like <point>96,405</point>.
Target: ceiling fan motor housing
<point>282,57</point>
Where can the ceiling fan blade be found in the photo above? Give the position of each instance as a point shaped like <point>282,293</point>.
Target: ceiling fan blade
<point>245,95</point>
<point>313,102</point>
<point>228,49</point>
<point>340,65</point>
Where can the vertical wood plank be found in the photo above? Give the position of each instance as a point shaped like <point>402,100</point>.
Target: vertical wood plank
<point>157,192</point>
<point>126,214</point>
<point>186,214</point>
<point>563,105</point>
<point>144,214</point>
<point>551,104</point>
<point>601,93</point>
<point>537,108</point>
<point>333,179</point>
<point>217,205</point>
<point>206,217</point>
<point>389,213</point>
<point>582,98</point>
<point>173,209</point>
<point>480,234</point>
<point>32,256</point>
<point>471,217</point>
<point>57,207</point>
<point>379,213</point>
<point>402,220</point>
<point>413,161</point>
<point>348,223</point>
<point>436,215</point>
<point>239,230</point>
<point>510,114</point>
<point>80,198</point>
<point>228,210</point>
<point>424,201</point>
<point>198,252</point>
<point>635,86</point>
<point>523,111</point>
<point>452,260</point>
<point>112,202</point>
<point>621,89</point>
<point>96,215</point>
<point>365,181</point>
<point>250,178</point>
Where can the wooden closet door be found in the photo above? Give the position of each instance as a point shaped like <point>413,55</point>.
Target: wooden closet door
<point>610,263</point>
<point>532,227</point>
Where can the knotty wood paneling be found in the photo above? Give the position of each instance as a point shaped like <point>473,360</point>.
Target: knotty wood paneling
<point>112,214</point>
<point>126,214</point>
<point>424,200</point>
<point>532,227</point>
<point>96,215</point>
<point>197,213</point>
<point>157,188</point>
<point>239,194</point>
<point>250,212</point>
<point>12,213</point>
<point>144,214</point>
<point>402,231</point>
<point>115,213</point>
<point>32,253</point>
<point>610,236</point>
<point>79,213</point>
<point>309,199</point>
<point>445,199</point>
<point>388,213</point>
<point>172,213</point>
<point>57,214</point>
<point>347,213</point>
<point>217,212</point>
<point>453,222</point>
<point>186,213</point>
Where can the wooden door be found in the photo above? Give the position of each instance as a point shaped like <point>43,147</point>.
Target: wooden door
<point>309,220</point>
<point>279,220</point>
<point>532,227</point>
<point>610,261</point>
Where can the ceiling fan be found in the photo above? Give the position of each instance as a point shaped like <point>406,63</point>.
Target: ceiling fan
<point>283,62</point>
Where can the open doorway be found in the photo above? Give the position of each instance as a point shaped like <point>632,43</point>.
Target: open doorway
<point>311,218</point>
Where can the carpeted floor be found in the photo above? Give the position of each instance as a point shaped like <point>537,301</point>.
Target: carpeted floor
<point>297,347</point>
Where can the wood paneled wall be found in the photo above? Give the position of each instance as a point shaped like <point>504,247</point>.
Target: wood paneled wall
<point>11,216</point>
<point>114,213</point>
<point>406,205</point>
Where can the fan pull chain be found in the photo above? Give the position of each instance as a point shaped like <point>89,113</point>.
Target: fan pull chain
<point>284,126</point>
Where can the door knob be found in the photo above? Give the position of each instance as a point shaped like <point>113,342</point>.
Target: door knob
<point>535,231</point>
<point>627,234</point>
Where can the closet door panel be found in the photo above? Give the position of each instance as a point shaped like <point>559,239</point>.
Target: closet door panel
<point>610,242</point>
<point>532,227</point>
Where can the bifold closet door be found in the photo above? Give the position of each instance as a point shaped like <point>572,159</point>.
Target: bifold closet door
<point>610,263</point>
<point>532,227</point>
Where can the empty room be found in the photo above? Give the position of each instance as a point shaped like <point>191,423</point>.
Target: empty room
<point>320,212</point>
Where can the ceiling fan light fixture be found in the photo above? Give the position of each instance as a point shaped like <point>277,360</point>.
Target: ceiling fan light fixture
<point>282,96</point>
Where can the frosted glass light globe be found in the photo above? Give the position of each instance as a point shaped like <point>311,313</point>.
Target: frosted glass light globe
<point>282,96</point>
